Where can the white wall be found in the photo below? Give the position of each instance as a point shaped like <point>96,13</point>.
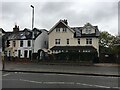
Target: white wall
<point>40,41</point>
<point>25,47</point>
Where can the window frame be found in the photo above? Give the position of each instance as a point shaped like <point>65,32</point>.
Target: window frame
<point>78,41</point>
<point>68,41</point>
<point>28,43</point>
<point>21,43</point>
<point>89,41</point>
<point>57,29</point>
<point>57,41</point>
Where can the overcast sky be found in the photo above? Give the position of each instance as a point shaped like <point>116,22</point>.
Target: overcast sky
<point>104,14</point>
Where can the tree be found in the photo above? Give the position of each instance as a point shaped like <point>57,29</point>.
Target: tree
<point>106,42</point>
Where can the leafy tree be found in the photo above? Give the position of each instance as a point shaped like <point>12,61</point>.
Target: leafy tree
<point>106,42</point>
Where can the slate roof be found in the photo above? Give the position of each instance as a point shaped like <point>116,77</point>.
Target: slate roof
<point>26,34</point>
<point>74,48</point>
<point>76,30</point>
<point>1,30</point>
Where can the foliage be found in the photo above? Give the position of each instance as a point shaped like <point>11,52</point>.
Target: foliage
<point>109,43</point>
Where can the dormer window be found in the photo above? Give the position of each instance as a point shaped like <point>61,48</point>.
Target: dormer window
<point>57,29</point>
<point>88,30</point>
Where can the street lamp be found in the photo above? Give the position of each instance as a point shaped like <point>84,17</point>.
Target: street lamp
<point>32,31</point>
<point>32,16</point>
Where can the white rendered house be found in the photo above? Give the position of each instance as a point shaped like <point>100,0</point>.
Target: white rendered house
<point>22,45</point>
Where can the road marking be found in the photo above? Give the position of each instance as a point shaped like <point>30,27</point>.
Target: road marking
<point>93,85</point>
<point>6,74</point>
<point>72,83</point>
<point>80,75</point>
<point>30,81</point>
<point>47,82</point>
<point>58,83</point>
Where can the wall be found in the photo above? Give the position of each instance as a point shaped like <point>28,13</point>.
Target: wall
<point>72,41</point>
<point>40,41</point>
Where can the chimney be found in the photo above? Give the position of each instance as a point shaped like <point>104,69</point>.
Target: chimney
<point>16,28</point>
<point>65,21</point>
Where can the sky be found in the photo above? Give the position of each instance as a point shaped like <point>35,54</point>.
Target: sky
<point>101,13</point>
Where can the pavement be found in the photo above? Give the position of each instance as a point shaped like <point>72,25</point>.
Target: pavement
<point>101,69</point>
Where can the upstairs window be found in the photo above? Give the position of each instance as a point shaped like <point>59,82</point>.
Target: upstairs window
<point>29,43</point>
<point>88,30</point>
<point>57,29</point>
<point>89,41</point>
<point>78,41</point>
<point>14,43</point>
<point>21,43</point>
<point>67,41</point>
<point>64,29</point>
<point>57,41</point>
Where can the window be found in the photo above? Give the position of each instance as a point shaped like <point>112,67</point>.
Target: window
<point>88,41</point>
<point>29,43</point>
<point>64,30</point>
<point>88,30</point>
<point>19,53</point>
<point>78,41</point>
<point>21,43</point>
<point>57,41</point>
<point>57,29</point>
<point>67,41</point>
<point>14,44</point>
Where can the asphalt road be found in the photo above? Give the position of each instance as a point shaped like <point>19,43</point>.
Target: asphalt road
<point>48,80</point>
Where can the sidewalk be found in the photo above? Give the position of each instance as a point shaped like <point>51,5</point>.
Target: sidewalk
<point>97,69</point>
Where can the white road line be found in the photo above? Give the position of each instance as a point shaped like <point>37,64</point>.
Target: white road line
<point>6,74</point>
<point>30,81</point>
<point>72,83</point>
<point>93,85</point>
<point>59,74</point>
<point>47,82</point>
<point>79,75</point>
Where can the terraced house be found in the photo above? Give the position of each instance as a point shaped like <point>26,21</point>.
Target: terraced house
<point>74,43</point>
<point>22,43</point>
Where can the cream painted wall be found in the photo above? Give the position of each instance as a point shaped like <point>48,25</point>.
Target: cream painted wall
<point>60,35</point>
<point>63,36</point>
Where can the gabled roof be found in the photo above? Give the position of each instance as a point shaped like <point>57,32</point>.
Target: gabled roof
<point>60,21</point>
<point>26,34</point>
<point>1,30</point>
<point>76,30</point>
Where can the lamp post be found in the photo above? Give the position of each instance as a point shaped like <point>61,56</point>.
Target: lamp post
<point>32,30</point>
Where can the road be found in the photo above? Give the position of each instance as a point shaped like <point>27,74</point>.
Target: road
<point>51,80</point>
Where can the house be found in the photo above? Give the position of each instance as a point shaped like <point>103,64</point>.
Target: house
<point>2,36</point>
<point>66,39</point>
<point>23,43</point>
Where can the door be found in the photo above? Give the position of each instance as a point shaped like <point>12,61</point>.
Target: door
<point>30,54</point>
<point>25,53</point>
<point>19,53</point>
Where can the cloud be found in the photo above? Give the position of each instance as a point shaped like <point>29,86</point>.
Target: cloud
<point>102,14</point>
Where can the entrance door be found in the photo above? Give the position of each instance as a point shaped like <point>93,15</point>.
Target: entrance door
<point>19,53</point>
<point>30,54</point>
<point>25,53</point>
